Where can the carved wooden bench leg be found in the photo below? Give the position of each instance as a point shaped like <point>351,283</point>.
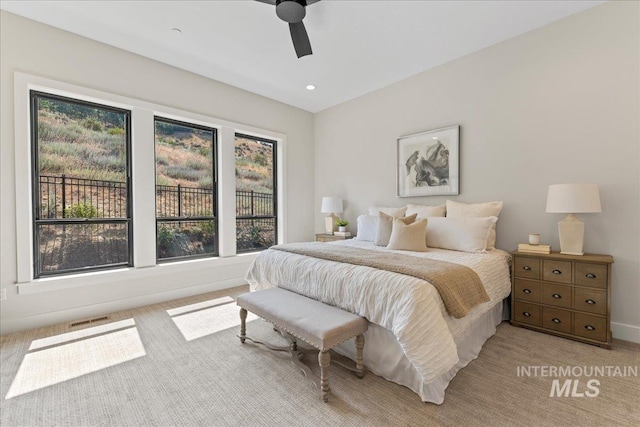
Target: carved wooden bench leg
<point>243,325</point>
<point>359,356</point>
<point>324,359</point>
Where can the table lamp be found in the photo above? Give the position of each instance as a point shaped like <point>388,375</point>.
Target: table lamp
<point>331,206</point>
<point>572,199</point>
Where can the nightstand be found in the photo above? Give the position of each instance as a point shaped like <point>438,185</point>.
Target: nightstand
<point>324,237</point>
<point>564,295</point>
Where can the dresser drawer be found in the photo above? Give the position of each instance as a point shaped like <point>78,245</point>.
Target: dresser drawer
<point>592,327</point>
<point>591,274</point>
<point>590,300</point>
<point>527,268</point>
<point>526,290</point>
<point>556,295</point>
<point>527,313</point>
<point>556,319</point>
<point>556,271</point>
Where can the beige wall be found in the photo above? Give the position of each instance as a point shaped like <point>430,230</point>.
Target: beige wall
<point>34,48</point>
<point>556,105</point>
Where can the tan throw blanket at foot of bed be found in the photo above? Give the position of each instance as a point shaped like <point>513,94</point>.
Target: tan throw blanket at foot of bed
<point>459,286</point>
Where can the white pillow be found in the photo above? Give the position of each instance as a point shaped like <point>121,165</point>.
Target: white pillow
<point>385,227</point>
<point>457,209</point>
<point>394,212</point>
<point>408,237</point>
<point>466,234</point>
<point>367,227</point>
<point>426,211</point>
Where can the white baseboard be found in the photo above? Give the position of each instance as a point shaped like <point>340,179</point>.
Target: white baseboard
<point>624,332</point>
<point>62,316</point>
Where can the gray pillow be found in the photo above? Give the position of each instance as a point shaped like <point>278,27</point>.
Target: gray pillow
<point>385,225</point>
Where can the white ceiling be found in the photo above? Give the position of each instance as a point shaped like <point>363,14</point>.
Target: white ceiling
<point>358,46</point>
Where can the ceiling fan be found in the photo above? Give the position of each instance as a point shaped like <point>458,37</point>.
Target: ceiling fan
<point>293,11</point>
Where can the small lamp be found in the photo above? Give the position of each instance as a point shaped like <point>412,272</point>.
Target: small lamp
<point>331,206</point>
<point>572,199</point>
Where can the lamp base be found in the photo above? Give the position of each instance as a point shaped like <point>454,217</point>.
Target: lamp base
<point>330,223</point>
<point>571,231</point>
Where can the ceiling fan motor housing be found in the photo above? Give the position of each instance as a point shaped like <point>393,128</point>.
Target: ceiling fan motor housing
<point>291,11</point>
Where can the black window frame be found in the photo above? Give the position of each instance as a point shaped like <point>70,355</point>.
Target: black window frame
<point>34,95</point>
<point>274,160</point>
<point>215,196</point>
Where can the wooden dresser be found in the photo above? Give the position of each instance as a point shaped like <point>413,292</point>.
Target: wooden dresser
<point>564,295</point>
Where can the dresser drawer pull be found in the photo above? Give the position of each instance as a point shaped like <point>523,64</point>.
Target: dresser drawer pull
<point>556,320</point>
<point>557,296</point>
<point>590,301</point>
<point>526,268</point>
<point>557,272</point>
<point>526,314</point>
<point>590,328</point>
<point>526,291</point>
<point>590,275</point>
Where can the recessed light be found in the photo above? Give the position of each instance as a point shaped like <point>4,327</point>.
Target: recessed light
<point>310,87</point>
<point>177,30</point>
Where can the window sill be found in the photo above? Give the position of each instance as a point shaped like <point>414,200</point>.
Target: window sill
<point>55,283</point>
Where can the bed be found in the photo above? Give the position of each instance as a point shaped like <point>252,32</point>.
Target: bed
<point>412,340</point>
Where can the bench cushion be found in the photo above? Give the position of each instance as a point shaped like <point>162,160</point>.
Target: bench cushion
<point>321,325</point>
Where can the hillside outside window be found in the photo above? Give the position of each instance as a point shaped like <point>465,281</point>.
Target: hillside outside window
<point>256,201</point>
<point>81,178</point>
<point>186,199</point>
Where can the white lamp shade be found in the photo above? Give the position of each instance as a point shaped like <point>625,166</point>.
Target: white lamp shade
<point>331,205</point>
<point>573,198</point>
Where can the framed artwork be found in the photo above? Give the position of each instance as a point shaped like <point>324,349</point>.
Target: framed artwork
<point>428,163</point>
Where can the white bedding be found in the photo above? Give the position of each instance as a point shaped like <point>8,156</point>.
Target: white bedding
<point>407,306</point>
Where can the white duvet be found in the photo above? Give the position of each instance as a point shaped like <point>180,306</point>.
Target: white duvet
<point>409,307</point>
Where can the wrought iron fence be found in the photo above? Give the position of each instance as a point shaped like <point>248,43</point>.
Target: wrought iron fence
<point>64,197</point>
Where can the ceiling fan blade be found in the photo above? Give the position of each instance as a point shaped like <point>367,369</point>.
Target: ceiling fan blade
<point>271,2</point>
<point>300,39</point>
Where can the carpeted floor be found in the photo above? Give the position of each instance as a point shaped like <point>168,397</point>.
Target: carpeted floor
<point>180,363</point>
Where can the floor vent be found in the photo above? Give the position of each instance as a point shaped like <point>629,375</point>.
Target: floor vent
<point>88,321</point>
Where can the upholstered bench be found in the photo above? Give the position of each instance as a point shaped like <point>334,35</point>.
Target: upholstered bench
<point>298,317</point>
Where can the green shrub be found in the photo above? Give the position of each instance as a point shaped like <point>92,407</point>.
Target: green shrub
<point>116,131</point>
<point>162,160</point>
<point>162,180</point>
<point>208,227</point>
<point>165,236</point>
<point>260,159</point>
<point>181,172</point>
<point>204,151</point>
<point>205,182</point>
<point>197,165</point>
<point>93,124</point>
<point>81,210</point>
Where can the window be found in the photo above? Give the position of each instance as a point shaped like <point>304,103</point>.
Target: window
<point>186,202</point>
<point>81,185</point>
<point>256,201</point>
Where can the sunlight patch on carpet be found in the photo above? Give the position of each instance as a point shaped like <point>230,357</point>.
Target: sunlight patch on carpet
<point>199,306</point>
<point>76,354</point>
<point>198,324</point>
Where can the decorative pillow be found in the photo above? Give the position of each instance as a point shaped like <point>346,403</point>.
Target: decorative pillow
<point>466,234</point>
<point>457,209</point>
<point>367,226</point>
<point>385,226</point>
<point>408,237</point>
<point>394,212</point>
<point>426,211</point>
